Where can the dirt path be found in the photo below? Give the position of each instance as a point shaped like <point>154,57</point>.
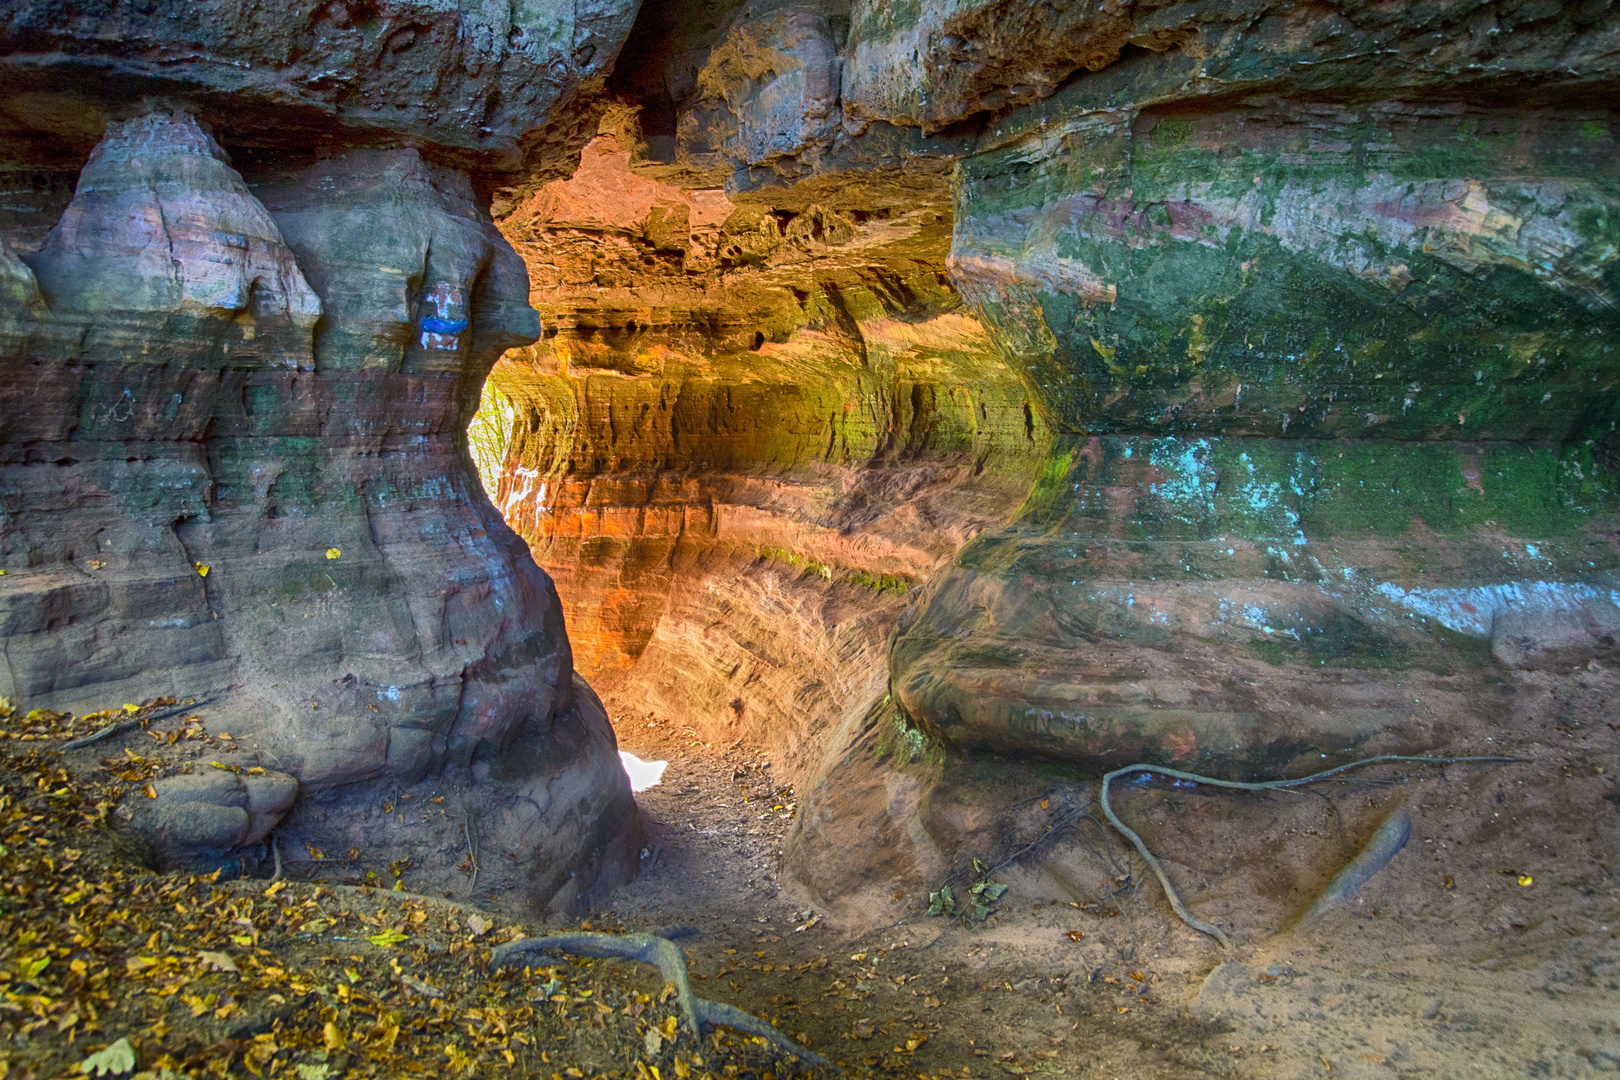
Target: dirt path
<point>921,997</point>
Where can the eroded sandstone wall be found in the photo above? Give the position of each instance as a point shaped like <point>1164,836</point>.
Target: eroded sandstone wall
<point>240,364</point>
<point>1313,307</point>
<point>750,434</point>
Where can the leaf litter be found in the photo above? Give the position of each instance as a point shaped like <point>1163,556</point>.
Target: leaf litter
<point>110,969</point>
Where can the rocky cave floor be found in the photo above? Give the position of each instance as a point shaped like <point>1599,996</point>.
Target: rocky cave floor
<point>1446,964</point>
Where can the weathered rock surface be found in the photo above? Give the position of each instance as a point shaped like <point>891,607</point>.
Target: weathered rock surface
<point>206,815</point>
<point>234,456</point>
<point>478,82</point>
<point>926,387</point>
<point>750,434</point>
<point>1312,311</point>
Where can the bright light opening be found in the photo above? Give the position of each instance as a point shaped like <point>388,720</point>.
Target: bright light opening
<point>489,433</point>
<point>642,774</point>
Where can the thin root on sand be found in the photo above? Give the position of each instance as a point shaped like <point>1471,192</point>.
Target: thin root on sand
<point>1262,785</point>
<point>657,948</point>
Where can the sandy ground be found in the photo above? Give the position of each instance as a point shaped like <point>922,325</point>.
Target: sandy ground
<point>1488,947</point>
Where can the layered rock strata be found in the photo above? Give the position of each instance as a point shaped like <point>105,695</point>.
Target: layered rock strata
<point>234,437</point>
<point>748,434</point>
<point>1312,308</point>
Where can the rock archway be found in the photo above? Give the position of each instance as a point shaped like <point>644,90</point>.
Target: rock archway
<point>917,386</point>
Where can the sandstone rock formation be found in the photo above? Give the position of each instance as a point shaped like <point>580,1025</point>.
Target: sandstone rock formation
<point>204,816</point>
<point>234,449</point>
<point>750,433</point>
<point>1311,311</point>
<point>924,389</point>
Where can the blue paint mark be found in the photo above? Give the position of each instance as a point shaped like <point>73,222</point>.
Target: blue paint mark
<point>443,326</point>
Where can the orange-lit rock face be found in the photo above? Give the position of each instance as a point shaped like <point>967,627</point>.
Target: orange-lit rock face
<point>747,434</point>
<point>1273,339</point>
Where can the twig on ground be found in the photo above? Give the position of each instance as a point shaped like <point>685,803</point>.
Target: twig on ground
<point>1050,831</point>
<point>133,722</point>
<point>472,851</point>
<point>1108,841</point>
<point>1239,785</point>
<point>657,948</point>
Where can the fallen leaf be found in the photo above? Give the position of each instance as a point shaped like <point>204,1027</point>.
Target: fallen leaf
<point>477,924</point>
<point>1075,935</point>
<point>202,569</point>
<point>653,1042</point>
<point>216,961</point>
<point>117,1059</point>
<point>334,553</point>
<point>387,938</point>
<point>423,988</point>
<point>314,1072</point>
<point>1526,880</point>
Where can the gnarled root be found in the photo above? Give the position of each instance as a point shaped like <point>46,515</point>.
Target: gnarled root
<point>659,948</point>
<point>1238,785</point>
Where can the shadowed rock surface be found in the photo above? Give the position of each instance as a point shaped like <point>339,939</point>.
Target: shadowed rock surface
<point>234,430</point>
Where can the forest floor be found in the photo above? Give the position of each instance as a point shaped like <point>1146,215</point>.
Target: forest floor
<point>1489,947</point>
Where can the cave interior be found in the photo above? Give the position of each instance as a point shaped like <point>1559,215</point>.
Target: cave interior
<point>446,398</point>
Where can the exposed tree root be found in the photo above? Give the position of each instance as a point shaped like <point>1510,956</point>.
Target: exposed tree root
<point>135,722</point>
<point>1385,843</point>
<point>659,948</point>
<point>1265,785</point>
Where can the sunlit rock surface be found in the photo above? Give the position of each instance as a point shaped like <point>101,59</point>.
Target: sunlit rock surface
<point>1312,311</point>
<point>747,435</point>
